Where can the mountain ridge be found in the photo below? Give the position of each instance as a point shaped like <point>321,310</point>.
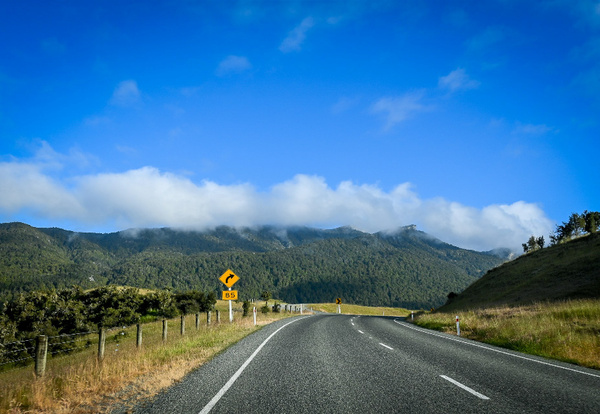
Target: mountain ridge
<point>404,267</point>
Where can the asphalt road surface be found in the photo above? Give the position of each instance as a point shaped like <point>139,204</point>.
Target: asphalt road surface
<point>364,364</point>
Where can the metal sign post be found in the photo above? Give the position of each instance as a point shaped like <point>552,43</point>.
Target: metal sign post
<point>230,311</point>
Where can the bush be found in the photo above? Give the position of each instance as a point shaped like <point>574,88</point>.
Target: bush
<point>276,307</point>
<point>265,309</point>
<point>246,307</point>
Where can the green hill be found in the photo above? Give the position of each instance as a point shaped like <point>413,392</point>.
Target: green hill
<point>569,270</point>
<point>405,268</point>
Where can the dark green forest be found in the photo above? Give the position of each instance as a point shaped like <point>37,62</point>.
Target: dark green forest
<point>405,268</point>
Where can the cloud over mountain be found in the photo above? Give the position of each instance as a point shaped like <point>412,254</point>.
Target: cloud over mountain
<point>147,197</point>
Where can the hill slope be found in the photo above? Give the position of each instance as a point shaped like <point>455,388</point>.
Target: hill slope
<point>405,268</point>
<point>566,271</point>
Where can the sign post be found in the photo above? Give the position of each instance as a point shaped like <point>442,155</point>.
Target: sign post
<point>229,279</point>
<point>339,303</point>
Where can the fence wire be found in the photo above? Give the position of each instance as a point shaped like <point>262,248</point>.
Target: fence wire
<point>23,351</point>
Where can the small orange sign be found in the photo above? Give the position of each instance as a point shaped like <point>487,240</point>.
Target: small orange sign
<point>230,295</point>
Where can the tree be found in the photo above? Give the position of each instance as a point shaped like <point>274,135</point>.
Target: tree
<point>532,243</point>
<point>591,221</point>
<point>266,296</point>
<point>540,242</point>
<point>110,306</point>
<point>161,303</point>
<point>576,226</point>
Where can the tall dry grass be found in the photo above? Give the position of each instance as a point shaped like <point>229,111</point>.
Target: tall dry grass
<point>79,383</point>
<point>359,309</point>
<point>567,331</point>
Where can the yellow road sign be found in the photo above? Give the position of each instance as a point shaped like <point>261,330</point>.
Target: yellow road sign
<point>229,278</point>
<point>338,301</point>
<point>230,295</point>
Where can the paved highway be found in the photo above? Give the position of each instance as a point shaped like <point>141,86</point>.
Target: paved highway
<point>360,364</point>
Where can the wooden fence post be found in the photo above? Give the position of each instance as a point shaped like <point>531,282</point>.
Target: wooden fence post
<point>197,321</point>
<point>164,336</point>
<point>208,317</point>
<point>101,342</point>
<point>182,325</point>
<point>218,316</point>
<point>138,342</point>
<point>41,352</point>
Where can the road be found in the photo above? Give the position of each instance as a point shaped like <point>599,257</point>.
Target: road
<point>361,364</point>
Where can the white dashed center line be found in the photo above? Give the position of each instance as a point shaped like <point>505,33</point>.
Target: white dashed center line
<point>464,387</point>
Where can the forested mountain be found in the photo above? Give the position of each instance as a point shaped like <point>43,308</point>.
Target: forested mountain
<point>297,264</point>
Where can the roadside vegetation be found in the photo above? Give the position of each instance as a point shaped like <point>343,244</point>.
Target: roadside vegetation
<point>78,382</point>
<point>567,331</point>
<point>358,309</point>
<point>587,222</point>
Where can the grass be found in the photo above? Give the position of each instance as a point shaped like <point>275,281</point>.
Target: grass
<point>359,309</point>
<point>565,271</point>
<point>566,331</point>
<point>78,383</point>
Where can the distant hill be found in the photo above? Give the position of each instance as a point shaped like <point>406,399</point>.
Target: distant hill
<point>405,268</point>
<point>569,270</point>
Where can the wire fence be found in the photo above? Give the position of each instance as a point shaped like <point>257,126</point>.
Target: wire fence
<point>36,350</point>
<point>67,343</point>
<point>17,352</point>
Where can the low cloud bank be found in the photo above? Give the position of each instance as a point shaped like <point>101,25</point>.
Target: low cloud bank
<point>147,197</point>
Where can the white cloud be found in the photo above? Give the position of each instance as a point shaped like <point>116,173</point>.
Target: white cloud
<point>398,109</point>
<point>232,65</point>
<point>296,37</point>
<point>147,197</point>
<point>457,80</point>
<point>126,94</point>
<point>25,186</point>
<point>532,129</point>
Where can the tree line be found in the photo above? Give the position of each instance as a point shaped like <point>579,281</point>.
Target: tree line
<point>577,225</point>
<point>73,310</point>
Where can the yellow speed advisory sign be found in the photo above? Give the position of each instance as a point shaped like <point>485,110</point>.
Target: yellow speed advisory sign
<point>230,295</point>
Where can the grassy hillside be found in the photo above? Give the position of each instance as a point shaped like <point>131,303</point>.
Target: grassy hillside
<point>565,271</point>
<point>545,303</point>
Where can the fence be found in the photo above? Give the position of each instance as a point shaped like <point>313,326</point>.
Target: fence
<point>38,350</point>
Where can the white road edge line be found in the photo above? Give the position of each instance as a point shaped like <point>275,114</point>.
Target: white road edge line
<point>464,387</point>
<point>385,346</point>
<point>407,325</point>
<point>361,332</point>
<point>235,376</point>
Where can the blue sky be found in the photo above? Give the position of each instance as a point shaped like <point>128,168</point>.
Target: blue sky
<point>476,120</point>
